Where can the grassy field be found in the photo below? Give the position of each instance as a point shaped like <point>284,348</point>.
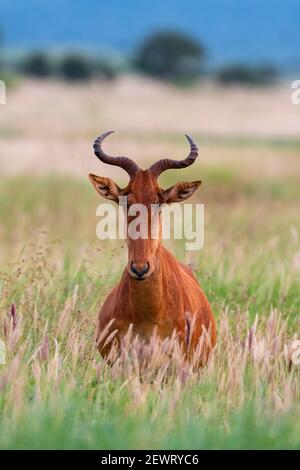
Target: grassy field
<point>55,390</point>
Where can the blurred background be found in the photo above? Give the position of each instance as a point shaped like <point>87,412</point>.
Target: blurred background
<point>221,70</point>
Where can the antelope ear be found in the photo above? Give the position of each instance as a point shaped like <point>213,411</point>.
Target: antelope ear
<point>181,191</point>
<point>106,187</point>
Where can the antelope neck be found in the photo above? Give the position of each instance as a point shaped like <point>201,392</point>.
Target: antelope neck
<point>146,297</point>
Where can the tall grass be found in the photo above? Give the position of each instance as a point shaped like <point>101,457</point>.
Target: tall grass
<point>57,392</point>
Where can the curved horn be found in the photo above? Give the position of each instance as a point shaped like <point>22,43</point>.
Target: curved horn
<point>168,164</point>
<point>123,162</point>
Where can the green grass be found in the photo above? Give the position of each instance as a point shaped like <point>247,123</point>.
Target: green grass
<point>70,428</point>
<point>56,392</point>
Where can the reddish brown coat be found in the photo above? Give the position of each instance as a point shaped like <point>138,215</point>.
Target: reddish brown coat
<point>168,297</point>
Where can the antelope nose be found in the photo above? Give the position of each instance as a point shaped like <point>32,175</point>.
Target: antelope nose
<point>139,269</point>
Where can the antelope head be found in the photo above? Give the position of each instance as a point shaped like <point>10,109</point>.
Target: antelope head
<point>143,188</point>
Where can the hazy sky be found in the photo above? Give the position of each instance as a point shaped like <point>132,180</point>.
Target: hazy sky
<point>231,29</point>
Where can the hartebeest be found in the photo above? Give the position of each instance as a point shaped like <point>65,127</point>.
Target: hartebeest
<point>156,292</point>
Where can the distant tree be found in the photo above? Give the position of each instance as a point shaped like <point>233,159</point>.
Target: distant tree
<point>76,67</point>
<point>247,74</point>
<point>170,55</point>
<point>37,64</point>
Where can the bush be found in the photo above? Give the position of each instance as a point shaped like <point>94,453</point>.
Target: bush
<point>37,64</point>
<point>246,74</point>
<point>76,67</point>
<point>71,66</point>
<point>170,55</point>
